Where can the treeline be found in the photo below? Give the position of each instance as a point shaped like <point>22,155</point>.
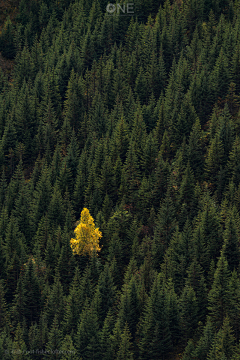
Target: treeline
<point>136,118</point>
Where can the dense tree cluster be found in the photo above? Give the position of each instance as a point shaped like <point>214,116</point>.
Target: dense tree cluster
<point>136,118</point>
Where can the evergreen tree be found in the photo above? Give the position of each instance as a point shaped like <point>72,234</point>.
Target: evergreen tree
<point>105,294</point>
<point>197,281</point>
<point>66,263</point>
<point>218,297</point>
<point>186,198</point>
<point>155,334</point>
<point>15,252</point>
<point>54,305</point>
<point>129,310</point>
<point>233,164</point>
<point>207,237</point>
<point>87,337</point>
<point>130,176</point>
<point>68,349</point>
<point>19,347</point>
<point>205,341</point>
<point>195,150</point>
<point>188,312</point>
<point>223,344</point>
<point>3,308</point>
<point>165,227</point>
<point>41,196</point>
<point>7,40</point>
<point>230,245</point>
<point>33,292</point>
<point>124,352</point>
<point>214,159</point>
<point>54,339</point>
<point>105,336</point>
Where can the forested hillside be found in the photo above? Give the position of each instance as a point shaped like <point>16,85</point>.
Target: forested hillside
<point>134,119</point>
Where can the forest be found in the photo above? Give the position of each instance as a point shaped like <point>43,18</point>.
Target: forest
<point>120,180</point>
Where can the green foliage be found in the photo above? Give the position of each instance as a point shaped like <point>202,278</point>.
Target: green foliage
<point>223,344</point>
<point>218,297</point>
<point>188,312</point>
<point>87,337</point>
<point>136,118</point>
<point>155,333</point>
<point>7,40</point>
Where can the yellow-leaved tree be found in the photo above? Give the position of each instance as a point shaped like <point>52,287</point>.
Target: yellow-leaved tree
<point>87,236</point>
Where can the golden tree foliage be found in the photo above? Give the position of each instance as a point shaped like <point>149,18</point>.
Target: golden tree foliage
<point>87,236</point>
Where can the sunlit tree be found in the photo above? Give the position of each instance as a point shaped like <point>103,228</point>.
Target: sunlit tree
<point>86,235</point>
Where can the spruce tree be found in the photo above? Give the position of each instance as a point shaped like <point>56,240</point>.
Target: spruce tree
<point>87,338</point>
<point>105,294</point>
<point>188,312</point>
<point>218,297</point>
<point>165,226</point>
<point>124,352</point>
<point>205,342</point>
<point>223,344</point>
<point>54,339</point>
<point>155,334</point>
<point>230,246</point>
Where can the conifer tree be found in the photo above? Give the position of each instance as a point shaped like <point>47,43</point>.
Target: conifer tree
<point>55,302</point>
<point>41,195</point>
<point>188,312</point>
<point>15,252</point>
<point>130,176</point>
<point>105,336</point>
<point>150,151</point>
<point>186,118</point>
<point>155,335</point>
<point>173,313</point>
<point>160,176</point>
<point>73,106</point>
<point>195,149</point>
<point>204,344</point>
<point>55,208</point>
<point>122,138</point>
<point>19,346</point>
<point>174,263</point>
<point>186,196</point>
<point>33,292</point>
<point>230,245</point>
<point>3,308</point>
<point>220,76</point>
<point>68,349</point>
<point>129,309</point>
<point>124,352</point>
<point>233,163</point>
<point>165,150</point>
<point>66,262</point>
<point>105,294</point>
<point>165,226</point>
<point>115,339</point>
<point>141,88</point>
<point>74,303</point>
<point>197,281</point>
<point>207,237</point>
<point>106,179</point>
<point>87,337</point>
<point>218,297</point>
<point>7,40</point>
<point>223,344</point>
<point>54,339</point>
<point>233,305</point>
<point>214,159</point>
